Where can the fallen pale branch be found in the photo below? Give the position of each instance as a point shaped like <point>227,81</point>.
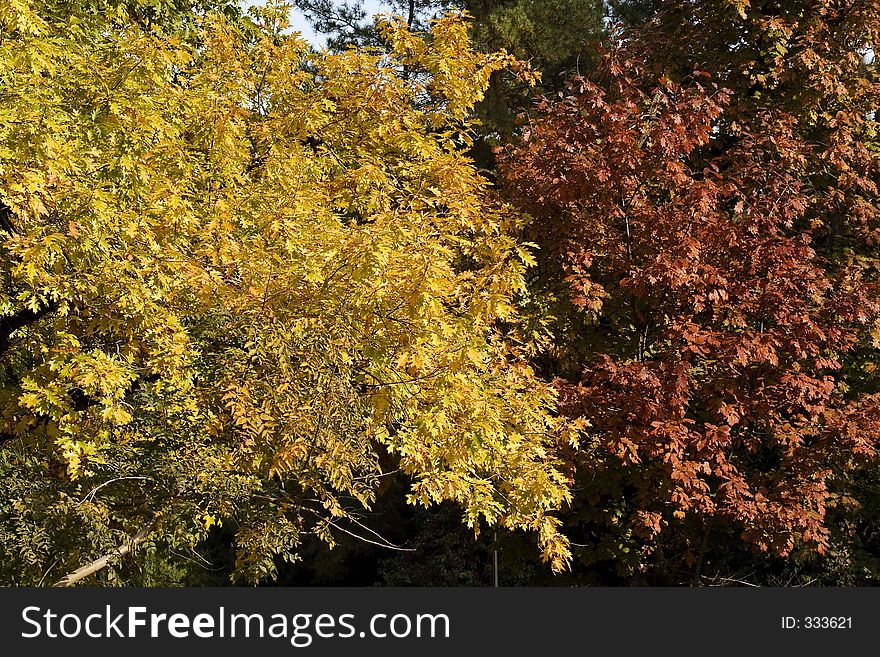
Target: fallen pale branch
<point>89,569</point>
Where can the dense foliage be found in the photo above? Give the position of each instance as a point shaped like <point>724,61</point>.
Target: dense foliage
<point>713,213</point>
<point>242,281</point>
<point>407,296</point>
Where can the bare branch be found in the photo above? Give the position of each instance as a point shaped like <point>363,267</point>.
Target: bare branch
<point>103,562</point>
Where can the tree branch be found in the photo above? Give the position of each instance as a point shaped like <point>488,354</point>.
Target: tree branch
<point>25,317</point>
<point>6,224</point>
<point>103,562</point>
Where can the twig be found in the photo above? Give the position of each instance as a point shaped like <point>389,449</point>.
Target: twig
<point>91,493</point>
<point>384,544</point>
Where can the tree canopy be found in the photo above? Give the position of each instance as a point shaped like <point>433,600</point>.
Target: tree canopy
<point>242,281</point>
<point>706,203</point>
<point>602,277</point>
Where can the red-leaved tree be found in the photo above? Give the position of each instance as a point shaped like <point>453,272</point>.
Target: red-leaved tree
<point>707,345</point>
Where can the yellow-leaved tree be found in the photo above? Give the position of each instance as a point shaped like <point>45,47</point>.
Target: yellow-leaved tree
<point>242,280</point>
